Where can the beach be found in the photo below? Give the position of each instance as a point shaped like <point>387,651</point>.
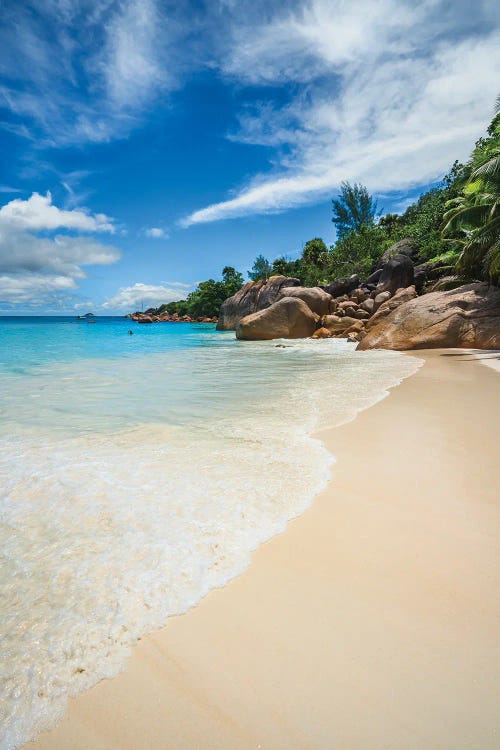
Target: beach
<point>370,623</point>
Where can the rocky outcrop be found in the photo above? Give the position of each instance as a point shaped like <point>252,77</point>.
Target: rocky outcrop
<point>397,273</point>
<point>342,286</point>
<point>289,318</point>
<point>341,326</point>
<point>315,298</point>
<point>254,296</point>
<point>389,304</point>
<point>468,316</point>
<point>322,333</point>
<point>406,246</point>
<point>380,298</point>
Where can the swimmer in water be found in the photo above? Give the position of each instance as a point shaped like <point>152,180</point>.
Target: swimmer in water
<point>131,333</point>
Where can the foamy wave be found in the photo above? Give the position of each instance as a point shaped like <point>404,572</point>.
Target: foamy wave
<point>106,533</point>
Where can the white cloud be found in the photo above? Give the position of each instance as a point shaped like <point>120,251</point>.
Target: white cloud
<point>24,252</point>
<point>36,269</point>
<point>131,65</point>
<point>389,94</point>
<point>32,289</point>
<point>156,233</point>
<point>92,76</point>
<point>39,213</point>
<point>138,296</point>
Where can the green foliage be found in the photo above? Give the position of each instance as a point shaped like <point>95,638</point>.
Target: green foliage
<point>261,269</point>
<point>232,280</point>
<point>315,253</point>
<point>353,209</point>
<point>282,266</point>
<point>206,299</point>
<point>472,221</point>
<point>358,252</point>
<point>448,258</point>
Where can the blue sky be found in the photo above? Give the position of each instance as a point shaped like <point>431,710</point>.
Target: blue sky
<point>147,144</point>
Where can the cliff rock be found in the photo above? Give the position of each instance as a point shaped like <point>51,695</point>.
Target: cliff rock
<point>468,316</point>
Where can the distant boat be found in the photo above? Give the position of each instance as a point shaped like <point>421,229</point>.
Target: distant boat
<point>87,315</point>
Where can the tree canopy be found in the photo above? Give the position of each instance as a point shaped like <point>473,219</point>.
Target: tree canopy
<point>208,296</point>
<point>353,209</point>
<point>472,222</point>
<point>261,269</point>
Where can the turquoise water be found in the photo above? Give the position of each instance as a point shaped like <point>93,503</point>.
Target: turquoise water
<point>30,341</point>
<point>139,472</point>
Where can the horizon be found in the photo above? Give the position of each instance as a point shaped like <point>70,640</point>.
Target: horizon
<point>150,146</point>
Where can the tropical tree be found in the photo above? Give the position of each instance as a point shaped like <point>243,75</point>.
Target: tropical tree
<point>353,208</point>
<point>472,222</point>
<point>357,252</point>
<point>315,252</point>
<point>232,280</point>
<point>282,266</point>
<point>260,269</point>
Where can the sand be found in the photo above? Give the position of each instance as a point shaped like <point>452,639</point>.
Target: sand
<point>371,623</point>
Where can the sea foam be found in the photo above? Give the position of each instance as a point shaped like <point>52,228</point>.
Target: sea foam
<point>130,489</point>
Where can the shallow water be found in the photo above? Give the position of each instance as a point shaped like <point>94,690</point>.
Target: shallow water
<point>139,472</point>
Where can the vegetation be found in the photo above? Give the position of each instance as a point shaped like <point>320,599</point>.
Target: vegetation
<point>472,221</point>
<point>353,209</point>
<point>208,296</point>
<point>455,225</point>
<point>261,269</point>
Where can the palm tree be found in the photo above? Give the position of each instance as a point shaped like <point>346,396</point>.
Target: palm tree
<point>474,217</point>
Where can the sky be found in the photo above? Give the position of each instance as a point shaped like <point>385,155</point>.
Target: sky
<point>146,144</point>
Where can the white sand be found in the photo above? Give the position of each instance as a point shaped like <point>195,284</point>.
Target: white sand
<point>371,624</point>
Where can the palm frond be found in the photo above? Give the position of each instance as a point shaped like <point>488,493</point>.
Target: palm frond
<point>472,216</point>
<point>490,169</point>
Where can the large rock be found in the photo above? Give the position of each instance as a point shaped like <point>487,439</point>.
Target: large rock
<point>390,304</point>
<point>407,247</point>
<point>254,296</point>
<point>398,273</point>
<point>289,318</point>
<point>315,298</point>
<point>342,286</point>
<point>375,276</point>
<point>322,333</point>
<point>461,318</point>
<point>338,325</point>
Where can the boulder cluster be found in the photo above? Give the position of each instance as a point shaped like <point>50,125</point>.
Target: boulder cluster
<point>384,311</point>
<point>282,308</point>
<point>148,317</point>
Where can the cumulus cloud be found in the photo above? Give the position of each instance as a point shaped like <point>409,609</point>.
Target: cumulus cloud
<point>140,296</point>
<point>156,233</point>
<point>35,269</point>
<point>388,94</point>
<point>38,213</point>
<point>33,289</point>
<point>22,251</point>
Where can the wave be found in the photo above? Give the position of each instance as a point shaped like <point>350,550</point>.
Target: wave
<point>130,492</point>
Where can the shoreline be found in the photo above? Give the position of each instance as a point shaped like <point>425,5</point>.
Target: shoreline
<point>314,642</point>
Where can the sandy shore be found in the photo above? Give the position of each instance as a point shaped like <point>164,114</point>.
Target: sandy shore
<point>371,624</point>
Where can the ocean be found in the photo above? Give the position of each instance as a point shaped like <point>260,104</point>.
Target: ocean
<point>137,472</point>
